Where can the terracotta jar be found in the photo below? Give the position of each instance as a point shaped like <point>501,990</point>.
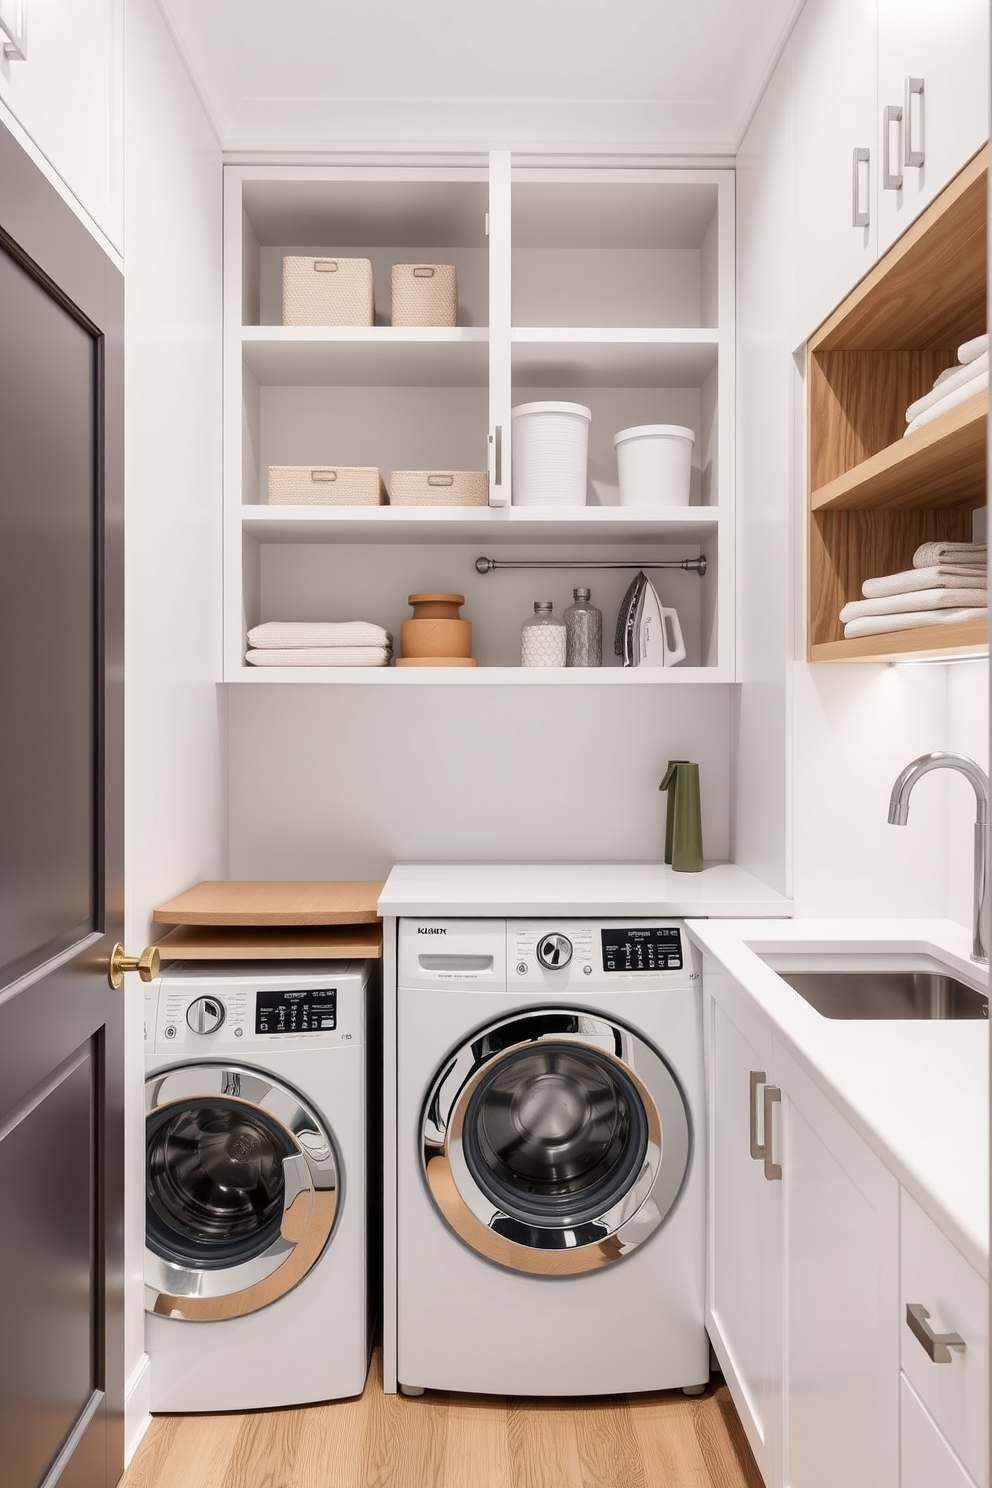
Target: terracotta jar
<point>436,635</point>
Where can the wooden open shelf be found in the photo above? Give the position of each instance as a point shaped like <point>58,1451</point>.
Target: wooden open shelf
<point>942,464</point>
<point>875,495</point>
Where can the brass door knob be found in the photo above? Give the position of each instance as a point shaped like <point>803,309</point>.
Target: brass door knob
<point>146,965</point>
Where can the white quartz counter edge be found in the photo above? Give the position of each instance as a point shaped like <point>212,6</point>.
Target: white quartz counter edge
<point>916,1091</point>
<point>463,890</point>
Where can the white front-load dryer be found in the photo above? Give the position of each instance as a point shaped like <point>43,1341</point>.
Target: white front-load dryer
<point>256,1265</point>
<point>550,1173</point>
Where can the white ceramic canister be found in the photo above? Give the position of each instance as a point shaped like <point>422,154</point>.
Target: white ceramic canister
<point>550,454</point>
<point>654,464</point>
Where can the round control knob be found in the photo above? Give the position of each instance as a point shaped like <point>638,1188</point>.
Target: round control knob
<point>205,1015</point>
<point>554,951</point>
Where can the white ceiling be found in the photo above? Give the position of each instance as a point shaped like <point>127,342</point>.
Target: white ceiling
<point>659,75</point>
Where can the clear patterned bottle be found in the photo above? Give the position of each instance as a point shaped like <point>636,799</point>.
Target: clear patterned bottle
<point>583,631</point>
<point>542,637</point>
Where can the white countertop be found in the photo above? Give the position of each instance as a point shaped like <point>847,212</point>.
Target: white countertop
<point>916,1091</point>
<point>444,890</point>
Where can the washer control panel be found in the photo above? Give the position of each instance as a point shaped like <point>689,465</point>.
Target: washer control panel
<point>209,1012</point>
<point>609,953</point>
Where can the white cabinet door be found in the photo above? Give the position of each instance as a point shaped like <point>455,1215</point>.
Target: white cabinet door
<point>68,97</point>
<point>840,1265</point>
<point>834,85</point>
<point>744,1285</point>
<point>946,48</point>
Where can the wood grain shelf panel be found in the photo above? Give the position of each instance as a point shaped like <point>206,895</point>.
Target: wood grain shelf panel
<point>941,464</point>
<point>279,943</point>
<point>265,902</point>
<point>930,643</point>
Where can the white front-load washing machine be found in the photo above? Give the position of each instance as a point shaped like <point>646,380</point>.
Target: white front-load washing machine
<point>550,1157</point>
<point>256,1263</point>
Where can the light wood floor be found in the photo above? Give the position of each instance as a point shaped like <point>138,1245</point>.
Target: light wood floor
<point>455,1441</point>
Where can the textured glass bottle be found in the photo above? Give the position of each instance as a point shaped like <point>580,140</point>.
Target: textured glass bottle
<point>542,637</point>
<point>583,632</point>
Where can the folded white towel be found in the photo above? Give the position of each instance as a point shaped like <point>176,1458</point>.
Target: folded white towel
<point>915,619</point>
<point>972,349</point>
<point>951,576</point>
<point>916,599</point>
<point>944,553</point>
<point>951,400</point>
<point>954,377</point>
<point>322,656</point>
<point>283,634</point>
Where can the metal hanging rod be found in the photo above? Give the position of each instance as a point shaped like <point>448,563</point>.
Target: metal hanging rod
<point>688,565</point>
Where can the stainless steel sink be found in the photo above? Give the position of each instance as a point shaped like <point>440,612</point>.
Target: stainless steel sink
<point>887,994</point>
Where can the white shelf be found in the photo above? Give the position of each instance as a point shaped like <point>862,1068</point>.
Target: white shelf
<point>607,357</point>
<point>366,356</point>
<point>613,676</point>
<point>424,524</point>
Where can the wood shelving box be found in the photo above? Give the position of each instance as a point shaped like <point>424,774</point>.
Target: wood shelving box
<point>874,495</point>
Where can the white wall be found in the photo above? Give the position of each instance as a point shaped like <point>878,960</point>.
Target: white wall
<point>342,782</point>
<point>175,724</point>
<point>762,759</point>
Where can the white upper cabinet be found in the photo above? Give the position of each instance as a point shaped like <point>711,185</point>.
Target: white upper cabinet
<point>933,87</point>
<point>890,98</point>
<point>611,288</point>
<point>835,236</point>
<point>68,96</point>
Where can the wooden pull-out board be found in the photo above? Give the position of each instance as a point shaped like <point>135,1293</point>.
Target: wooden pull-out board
<point>260,902</point>
<point>280,943</point>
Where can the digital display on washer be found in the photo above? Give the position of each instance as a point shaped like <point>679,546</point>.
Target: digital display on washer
<point>654,948</point>
<point>313,1010</point>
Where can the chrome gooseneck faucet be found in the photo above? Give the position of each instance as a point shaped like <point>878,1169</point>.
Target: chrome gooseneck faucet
<point>899,816</point>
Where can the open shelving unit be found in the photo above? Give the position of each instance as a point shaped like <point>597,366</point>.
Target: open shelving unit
<point>609,287</point>
<point>876,494</point>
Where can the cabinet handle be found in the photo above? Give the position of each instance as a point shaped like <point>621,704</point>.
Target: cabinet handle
<point>914,86</point>
<point>498,455</point>
<point>15,48</point>
<point>756,1077</point>
<point>892,115</point>
<point>773,1170</point>
<point>937,1345</point>
<point>861,215</point>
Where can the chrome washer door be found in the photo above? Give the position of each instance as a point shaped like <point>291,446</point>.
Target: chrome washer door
<point>241,1186</point>
<point>555,1141</point>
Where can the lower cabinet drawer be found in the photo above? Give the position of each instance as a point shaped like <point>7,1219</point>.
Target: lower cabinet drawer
<point>926,1461</point>
<point>948,1300</point>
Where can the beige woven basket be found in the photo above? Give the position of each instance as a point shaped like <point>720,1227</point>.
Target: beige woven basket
<point>439,488</point>
<point>327,291</point>
<point>424,295</point>
<point>326,485</point>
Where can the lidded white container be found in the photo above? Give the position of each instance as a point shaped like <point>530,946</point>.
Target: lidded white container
<point>550,454</point>
<point>654,464</point>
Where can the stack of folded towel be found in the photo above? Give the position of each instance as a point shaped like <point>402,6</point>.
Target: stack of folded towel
<point>948,582</point>
<point>337,644</point>
<point>953,386</point>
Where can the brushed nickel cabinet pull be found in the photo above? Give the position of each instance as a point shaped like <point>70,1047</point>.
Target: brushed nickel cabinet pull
<point>756,1078</point>
<point>861,215</point>
<point>914,88</point>
<point>773,1170</point>
<point>891,179</point>
<point>937,1345</point>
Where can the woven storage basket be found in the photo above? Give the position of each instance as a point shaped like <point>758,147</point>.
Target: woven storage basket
<point>424,295</point>
<point>327,291</point>
<point>326,485</point>
<point>439,488</point>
